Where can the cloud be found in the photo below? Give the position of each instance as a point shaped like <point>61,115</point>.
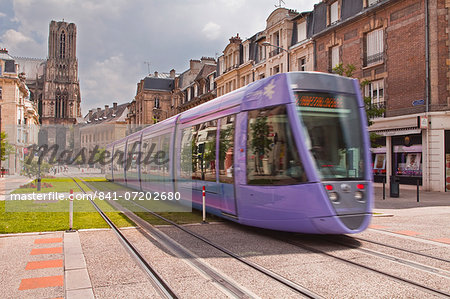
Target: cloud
<point>19,44</point>
<point>211,30</point>
<point>2,15</point>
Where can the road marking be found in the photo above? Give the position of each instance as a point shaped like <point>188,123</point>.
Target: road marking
<point>442,240</point>
<point>48,241</point>
<point>375,226</point>
<point>41,282</point>
<point>44,264</point>
<point>407,233</point>
<point>50,250</point>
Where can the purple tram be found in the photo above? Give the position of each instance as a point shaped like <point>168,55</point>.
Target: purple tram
<point>289,152</point>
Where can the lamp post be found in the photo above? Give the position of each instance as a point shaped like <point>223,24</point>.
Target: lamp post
<point>265,44</point>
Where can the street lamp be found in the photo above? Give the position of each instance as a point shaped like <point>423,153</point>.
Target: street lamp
<point>265,44</point>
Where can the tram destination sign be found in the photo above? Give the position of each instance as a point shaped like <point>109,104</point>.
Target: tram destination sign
<point>318,101</point>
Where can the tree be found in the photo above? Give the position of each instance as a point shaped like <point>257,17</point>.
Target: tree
<point>5,148</point>
<point>31,168</point>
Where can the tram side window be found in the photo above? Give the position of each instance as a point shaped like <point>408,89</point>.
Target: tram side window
<point>163,156</point>
<point>133,149</point>
<point>153,166</point>
<point>149,147</point>
<point>226,146</point>
<point>119,158</point>
<point>186,153</point>
<point>272,156</point>
<point>204,151</point>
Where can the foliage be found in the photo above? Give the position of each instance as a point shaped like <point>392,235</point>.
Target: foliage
<point>31,169</point>
<point>372,111</point>
<point>5,148</point>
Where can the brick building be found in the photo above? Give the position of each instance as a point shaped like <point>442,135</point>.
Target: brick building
<point>400,49</point>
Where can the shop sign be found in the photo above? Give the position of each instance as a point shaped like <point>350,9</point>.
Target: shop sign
<point>424,122</point>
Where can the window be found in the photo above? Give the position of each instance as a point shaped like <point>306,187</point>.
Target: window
<point>372,2</point>
<point>62,45</point>
<point>226,146</point>
<point>374,47</point>
<point>375,90</point>
<point>186,153</point>
<point>0,70</point>
<point>334,53</point>
<point>261,53</point>
<point>0,93</point>
<point>272,156</point>
<point>276,69</point>
<point>245,56</point>
<point>204,151</point>
<point>301,31</point>
<point>334,17</point>
<point>302,64</point>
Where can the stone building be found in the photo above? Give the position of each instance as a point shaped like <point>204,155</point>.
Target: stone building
<point>53,82</point>
<point>195,85</point>
<point>153,99</point>
<point>18,115</point>
<point>103,126</point>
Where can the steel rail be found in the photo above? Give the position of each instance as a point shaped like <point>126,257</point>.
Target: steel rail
<point>161,286</point>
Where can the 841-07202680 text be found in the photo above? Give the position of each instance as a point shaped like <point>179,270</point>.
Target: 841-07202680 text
<point>138,195</point>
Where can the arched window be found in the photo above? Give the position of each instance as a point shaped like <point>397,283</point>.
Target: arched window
<point>62,45</point>
<point>57,103</point>
<point>65,102</point>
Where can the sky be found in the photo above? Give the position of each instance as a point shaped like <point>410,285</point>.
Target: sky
<point>118,41</point>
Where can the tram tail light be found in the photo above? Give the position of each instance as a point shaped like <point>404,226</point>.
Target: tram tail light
<point>329,187</point>
<point>360,186</point>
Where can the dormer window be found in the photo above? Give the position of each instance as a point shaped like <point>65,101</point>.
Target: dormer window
<point>334,13</point>
<point>301,31</point>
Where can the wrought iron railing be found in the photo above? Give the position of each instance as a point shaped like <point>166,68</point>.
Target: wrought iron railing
<point>379,57</point>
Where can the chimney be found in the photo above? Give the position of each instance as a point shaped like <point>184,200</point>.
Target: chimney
<point>106,110</point>
<point>3,50</point>
<point>115,106</point>
<point>172,73</point>
<point>99,110</point>
<point>195,65</point>
<point>90,115</point>
<point>156,74</point>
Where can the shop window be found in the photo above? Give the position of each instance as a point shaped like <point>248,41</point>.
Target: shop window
<point>226,147</point>
<point>272,156</point>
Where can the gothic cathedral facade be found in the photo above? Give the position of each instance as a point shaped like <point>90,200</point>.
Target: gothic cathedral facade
<point>61,99</point>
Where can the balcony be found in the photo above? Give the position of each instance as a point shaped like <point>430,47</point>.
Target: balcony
<point>274,52</point>
<point>372,59</point>
<point>376,110</point>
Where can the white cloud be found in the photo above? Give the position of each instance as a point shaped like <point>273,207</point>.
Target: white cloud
<point>211,30</point>
<point>19,44</point>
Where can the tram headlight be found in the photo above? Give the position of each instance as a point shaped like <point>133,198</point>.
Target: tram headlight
<point>334,197</point>
<point>359,196</point>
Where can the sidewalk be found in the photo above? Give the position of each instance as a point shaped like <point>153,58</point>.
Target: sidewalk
<point>43,265</point>
<point>10,183</point>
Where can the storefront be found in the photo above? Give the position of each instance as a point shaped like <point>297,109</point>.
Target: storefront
<point>447,161</point>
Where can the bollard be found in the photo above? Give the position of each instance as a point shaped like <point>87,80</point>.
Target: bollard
<point>418,190</point>
<point>384,188</point>
<point>204,205</point>
<point>71,210</point>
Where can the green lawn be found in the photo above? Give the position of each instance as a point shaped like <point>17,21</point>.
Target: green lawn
<point>38,216</point>
<point>58,185</point>
<point>185,217</point>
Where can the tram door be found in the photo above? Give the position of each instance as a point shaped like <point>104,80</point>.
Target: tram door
<point>225,165</point>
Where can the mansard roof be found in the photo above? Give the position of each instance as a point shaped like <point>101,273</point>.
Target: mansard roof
<point>164,84</point>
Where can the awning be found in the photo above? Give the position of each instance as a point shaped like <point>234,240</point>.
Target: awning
<point>398,132</point>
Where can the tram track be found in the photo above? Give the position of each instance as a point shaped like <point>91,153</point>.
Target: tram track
<point>157,281</point>
<point>428,269</point>
<point>267,272</point>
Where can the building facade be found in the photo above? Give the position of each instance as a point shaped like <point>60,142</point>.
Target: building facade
<point>400,53</point>
<point>18,115</point>
<point>54,82</point>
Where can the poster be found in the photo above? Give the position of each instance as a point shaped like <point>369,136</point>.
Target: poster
<point>380,161</point>
<point>413,161</point>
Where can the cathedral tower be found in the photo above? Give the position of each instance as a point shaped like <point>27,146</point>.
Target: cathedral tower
<point>61,100</point>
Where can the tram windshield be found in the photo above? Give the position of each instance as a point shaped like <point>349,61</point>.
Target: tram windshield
<point>333,131</point>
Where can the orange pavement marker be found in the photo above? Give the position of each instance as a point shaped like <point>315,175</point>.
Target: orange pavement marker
<point>442,240</point>
<point>44,264</point>
<point>50,250</point>
<point>407,233</point>
<point>374,226</point>
<point>47,241</point>
<point>41,282</point>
